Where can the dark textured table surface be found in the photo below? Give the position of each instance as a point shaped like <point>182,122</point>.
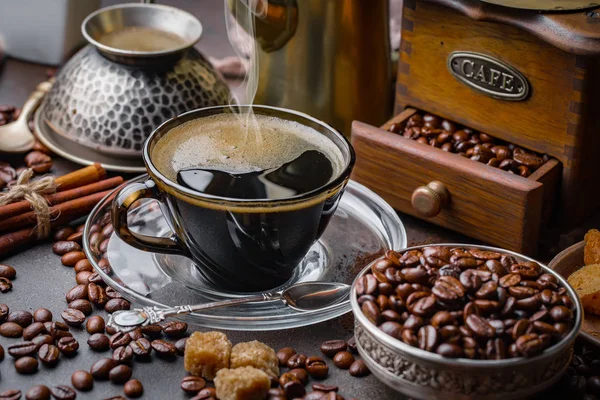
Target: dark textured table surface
<point>42,281</point>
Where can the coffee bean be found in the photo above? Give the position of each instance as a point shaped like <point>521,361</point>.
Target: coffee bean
<point>359,369</point>
<point>332,347</point>
<point>83,265</point>
<point>33,330</point>
<point>76,293</point>
<point>112,293</point>
<point>133,388</point>
<point>26,365</point>
<point>63,233</point>
<point>82,380</point>
<point>12,394</point>
<point>174,329</point>
<point>316,367</point>
<point>82,278</point>
<point>11,330</point>
<point>162,348</point>
<point>428,338</point>
<point>95,324</point>
<point>557,313</point>
<point>142,348</point>
<point>72,257</point>
<point>22,349</point>
<point>314,395</point>
<point>192,384</point>
<point>82,305</point>
<point>101,369</point>
<point>123,355</point>
<point>448,289</point>
<point>5,285</point>
<point>42,315</point>
<point>23,318</point>
<point>530,345</point>
<point>119,339</point>
<point>68,346</point>
<point>301,374</point>
<point>38,392</point>
<point>324,388</point>
<point>42,339</point>
<point>63,392</point>
<point>287,377</point>
<point>39,162</point>
<point>449,350</point>
<point>136,334</point>
<point>4,311</point>
<point>298,360</point>
<point>8,272</point>
<point>152,330</point>
<point>294,390</point>
<point>480,326</point>
<point>59,330</point>
<point>343,359</point>
<point>73,317</point>
<point>76,237</point>
<point>113,305</point>
<point>99,342</point>
<point>206,394</point>
<point>111,330</point>
<point>120,374</point>
<point>96,279</point>
<point>63,247</point>
<point>49,354</point>
<point>97,295</point>
<point>180,346</point>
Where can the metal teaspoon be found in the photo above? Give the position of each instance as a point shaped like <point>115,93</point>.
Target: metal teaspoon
<point>307,296</point>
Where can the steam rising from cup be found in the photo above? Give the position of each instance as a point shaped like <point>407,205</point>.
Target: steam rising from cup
<point>240,25</point>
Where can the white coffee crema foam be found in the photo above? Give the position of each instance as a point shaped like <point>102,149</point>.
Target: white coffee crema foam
<point>219,142</point>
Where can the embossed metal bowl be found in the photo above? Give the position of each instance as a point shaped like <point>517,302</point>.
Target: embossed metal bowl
<point>425,375</point>
<point>112,100</point>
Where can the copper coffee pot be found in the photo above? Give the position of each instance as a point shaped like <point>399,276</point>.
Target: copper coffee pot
<point>329,59</point>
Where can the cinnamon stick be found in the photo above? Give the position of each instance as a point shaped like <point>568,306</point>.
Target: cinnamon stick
<point>24,206</point>
<point>10,242</point>
<point>65,212</point>
<point>81,177</point>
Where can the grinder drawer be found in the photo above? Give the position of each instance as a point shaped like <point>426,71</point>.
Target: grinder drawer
<point>467,196</point>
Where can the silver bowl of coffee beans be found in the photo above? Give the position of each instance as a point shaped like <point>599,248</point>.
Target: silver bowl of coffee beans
<point>456,321</point>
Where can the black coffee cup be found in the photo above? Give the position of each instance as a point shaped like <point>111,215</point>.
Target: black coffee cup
<point>237,244</point>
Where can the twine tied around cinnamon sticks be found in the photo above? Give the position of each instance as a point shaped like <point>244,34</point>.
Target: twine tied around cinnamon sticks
<point>33,192</point>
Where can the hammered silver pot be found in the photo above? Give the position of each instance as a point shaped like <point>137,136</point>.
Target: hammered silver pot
<point>424,375</point>
<point>111,100</point>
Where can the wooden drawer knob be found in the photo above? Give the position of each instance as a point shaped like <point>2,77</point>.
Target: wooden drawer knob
<point>429,200</point>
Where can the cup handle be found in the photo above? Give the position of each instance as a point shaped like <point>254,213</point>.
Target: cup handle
<point>120,207</point>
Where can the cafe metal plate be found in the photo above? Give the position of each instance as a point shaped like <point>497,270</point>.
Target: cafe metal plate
<point>546,5</point>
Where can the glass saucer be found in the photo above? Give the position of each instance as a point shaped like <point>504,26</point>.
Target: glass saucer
<point>363,227</point>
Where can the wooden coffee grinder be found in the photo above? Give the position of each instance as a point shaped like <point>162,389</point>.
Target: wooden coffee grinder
<point>524,71</point>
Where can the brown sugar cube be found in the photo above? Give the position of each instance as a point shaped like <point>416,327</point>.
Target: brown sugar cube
<point>206,353</point>
<point>245,383</point>
<point>255,354</point>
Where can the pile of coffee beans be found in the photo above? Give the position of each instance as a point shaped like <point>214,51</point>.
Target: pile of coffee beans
<point>434,131</point>
<point>582,378</point>
<point>466,302</point>
<point>7,275</point>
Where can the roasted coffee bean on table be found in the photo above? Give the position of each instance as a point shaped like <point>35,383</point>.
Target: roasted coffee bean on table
<point>100,369</point>
<point>38,392</point>
<point>133,388</point>
<point>99,342</point>
<point>23,318</point>
<point>120,374</point>
<point>33,330</point>
<point>82,380</point>
<point>462,302</point>
<point>192,384</point>
<point>26,365</point>
<point>48,354</point>
<point>11,330</point>
<point>11,394</point>
<point>63,392</point>
<point>450,137</point>
<point>4,311</point>
<point>8,272</point>
<point>68,346</point>
<point>284,355</point>
<point>22,349</point>
<point>95,324</point>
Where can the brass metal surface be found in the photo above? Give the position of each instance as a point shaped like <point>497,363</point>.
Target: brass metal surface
<point>546,5</point>
<point>429,200</point>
